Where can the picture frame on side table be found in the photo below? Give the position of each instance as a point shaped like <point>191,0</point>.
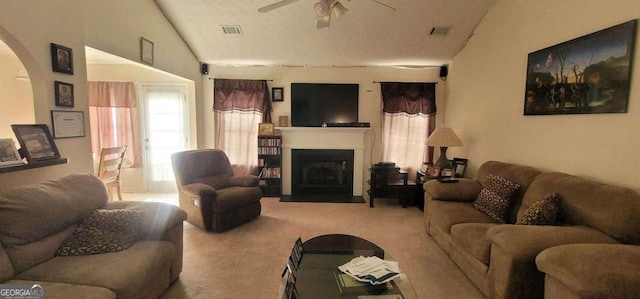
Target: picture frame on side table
<point>425,167</point>
<point>459,167</point>
<point>67,124</point>
<point>61,59</point>
<point>434,171</point>
<point>9,155</point>
<point>277,94</point>
<point>146,51</point>
<point>64,94</point>
<point>265,129</point>
<point>36,142</point>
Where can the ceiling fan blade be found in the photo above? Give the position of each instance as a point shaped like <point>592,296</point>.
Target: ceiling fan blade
<point>385,5</point>
<point>276,5</point>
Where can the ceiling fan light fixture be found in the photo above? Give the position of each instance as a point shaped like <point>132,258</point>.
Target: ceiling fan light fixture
<point>321,8</point>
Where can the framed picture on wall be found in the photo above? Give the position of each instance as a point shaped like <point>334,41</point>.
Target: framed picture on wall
<point>277,94</point>
<point>36,142</point>
<point>61,59</point>
<point>64,94</point>
<point>146,51</point>
<point>589,74</point>
<point>67,124</point>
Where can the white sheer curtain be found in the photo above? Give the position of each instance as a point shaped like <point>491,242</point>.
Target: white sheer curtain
<point>403,139</point>
<point>237,136</point>
<point>408,117</point>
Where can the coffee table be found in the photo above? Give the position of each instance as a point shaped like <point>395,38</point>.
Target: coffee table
<point>316,274</point>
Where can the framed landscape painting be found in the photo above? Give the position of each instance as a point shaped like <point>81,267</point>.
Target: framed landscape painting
<point>590,74</point>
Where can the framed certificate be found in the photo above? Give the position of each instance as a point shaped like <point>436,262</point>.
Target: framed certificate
<point>67,124</point>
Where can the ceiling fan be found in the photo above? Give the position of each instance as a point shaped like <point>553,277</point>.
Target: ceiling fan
<point>322,8</point>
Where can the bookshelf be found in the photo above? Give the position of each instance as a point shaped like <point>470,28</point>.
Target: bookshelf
<point>270,164</point>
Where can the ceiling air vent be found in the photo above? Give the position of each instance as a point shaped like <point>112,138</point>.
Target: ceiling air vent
<point>231,29</point>
<point>440,30</point>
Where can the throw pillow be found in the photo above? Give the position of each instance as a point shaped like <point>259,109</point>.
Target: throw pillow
<point>542,212</point>
<point>103,231</point>
<point>496,197</point>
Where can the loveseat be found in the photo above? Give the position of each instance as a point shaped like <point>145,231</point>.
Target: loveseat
<point>593,220</point>
<point>38,221</point>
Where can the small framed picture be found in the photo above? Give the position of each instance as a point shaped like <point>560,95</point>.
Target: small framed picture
<point>265,129</point>
<point>36,143</point>
<point>425,167</point>
<point>459,167</point>
<point>283,121</point>
<point>277,94</point>
<point>9,155</point>
<point>146,51</point>
<point>434,171</point>
<point>64,94</point>
<point>67,124</point>
<point>61,59</point>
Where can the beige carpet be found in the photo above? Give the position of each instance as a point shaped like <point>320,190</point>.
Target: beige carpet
<point>246,262</point>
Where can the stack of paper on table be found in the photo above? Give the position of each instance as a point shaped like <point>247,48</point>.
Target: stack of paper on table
<point>371,269</point>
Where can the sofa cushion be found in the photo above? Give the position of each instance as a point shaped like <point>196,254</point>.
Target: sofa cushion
<point>610,209</point>
<point>472,237</point>
<point>103,231</point>
<point>445,214</point>
<point>47,208</point>
<point>594,270</point>
<point>542,212</point>
<point>142,271</point>
<point>496,197</point>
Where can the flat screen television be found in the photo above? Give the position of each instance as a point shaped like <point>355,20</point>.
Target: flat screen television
<point>313,104</point>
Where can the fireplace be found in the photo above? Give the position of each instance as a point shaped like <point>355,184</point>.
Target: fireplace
<point>322,171</point>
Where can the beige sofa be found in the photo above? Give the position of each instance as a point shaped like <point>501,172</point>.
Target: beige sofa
<point>36,219</point>
<point>500,259</point>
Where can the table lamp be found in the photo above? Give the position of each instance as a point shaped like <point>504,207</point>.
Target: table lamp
<point>444,138</point>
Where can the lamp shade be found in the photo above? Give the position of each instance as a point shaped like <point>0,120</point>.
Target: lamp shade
<point>444,137</point>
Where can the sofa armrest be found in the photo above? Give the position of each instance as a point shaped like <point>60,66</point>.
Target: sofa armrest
<point>464,190</point>
<point>158,217</point>
<point>198,190</point>
<point>524,242</point>
<point>244,181</point>
<point>591,270</point>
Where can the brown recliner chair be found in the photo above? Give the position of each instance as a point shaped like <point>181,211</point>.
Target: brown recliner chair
<point>212,196</point>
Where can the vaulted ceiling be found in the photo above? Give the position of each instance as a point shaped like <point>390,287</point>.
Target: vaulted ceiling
<point>371,33</point>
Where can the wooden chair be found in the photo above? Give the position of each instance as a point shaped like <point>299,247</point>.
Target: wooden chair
<point>111,159</point>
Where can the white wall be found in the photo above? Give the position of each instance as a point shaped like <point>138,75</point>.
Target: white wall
<point>487,84</point>
<point>115,26</point>
<point>369,98</point>
<point>16,98</point>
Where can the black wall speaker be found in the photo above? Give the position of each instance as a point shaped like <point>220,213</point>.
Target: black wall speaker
<point>443,71</point>
<point>204,69</point>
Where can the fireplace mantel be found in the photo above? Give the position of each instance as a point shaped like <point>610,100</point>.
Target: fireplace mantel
<point>323,138</point>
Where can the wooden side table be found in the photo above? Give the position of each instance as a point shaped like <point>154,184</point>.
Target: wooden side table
<point>389,184</point>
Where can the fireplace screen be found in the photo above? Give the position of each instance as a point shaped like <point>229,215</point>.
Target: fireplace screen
<point>322,171</point>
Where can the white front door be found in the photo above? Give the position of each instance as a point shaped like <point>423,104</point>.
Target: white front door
<point>166,132</point>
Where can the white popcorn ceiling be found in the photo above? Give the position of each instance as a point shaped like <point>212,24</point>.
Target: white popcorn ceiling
<point>368,35</point>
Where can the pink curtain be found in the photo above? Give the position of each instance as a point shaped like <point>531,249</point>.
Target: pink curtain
<point>114,119</point>
<point>408,118</point>
<point>239,106</point>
